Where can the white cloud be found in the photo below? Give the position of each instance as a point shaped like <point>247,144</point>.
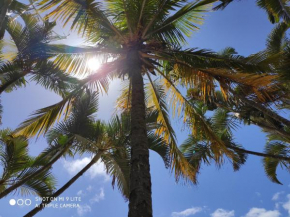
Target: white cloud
<point>277,195</point>
<point>223,213</point>
<point>277,205</point>
<point>89,188</point>
<point>261,212</point>
<point>82,210</point>
<point>80,193</point>
<point>97,170</point>
<point>83,193</point>
<point>98,197</point>
<point>258,194</point>
<point>286,205</point>
<point>187,212</point>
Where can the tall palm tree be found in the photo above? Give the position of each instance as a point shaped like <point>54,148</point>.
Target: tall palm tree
<point>143,39</point>
<point>17,165</point>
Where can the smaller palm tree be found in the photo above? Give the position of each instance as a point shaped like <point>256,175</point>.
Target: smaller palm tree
<point>226,118</point>
<point>81,116</point>
<point>242,106</point>
<point>111,145</point>
<point>17,165</point>
<point>31,59</point>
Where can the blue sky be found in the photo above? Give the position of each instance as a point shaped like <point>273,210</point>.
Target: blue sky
<point>220,192</point>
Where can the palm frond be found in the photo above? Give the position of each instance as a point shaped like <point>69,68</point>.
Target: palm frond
<point>118,168</point>
<point>223,4</point>
<point>86,16</point>
<point>276,10</point>
<point>276,38</point>
<point>197,121</point>
<point>17,165</point>
<point>270,164</point>
<point>178,163</point>
<point>42,185</point>
<point>52,78</point>
<point>182,22</point>
<point>11,76</point>
<point>41,120</point>
<point>223,123</point>
<point>160,146</point>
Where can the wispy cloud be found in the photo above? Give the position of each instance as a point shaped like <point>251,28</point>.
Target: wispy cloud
<point>261,212</point>
<point>89,188</point>
<point>223,213</point>
<point>286,205</point>
<point>98,197</point>
<point>277,195</point>
<point>82,210</point>
<point>280,202</point>
<point>187,212</point>
<point>96,171</point>
<point>258,194</point>
<point>80,193</point>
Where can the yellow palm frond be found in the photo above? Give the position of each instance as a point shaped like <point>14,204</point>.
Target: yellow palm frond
<point>179,164</point>
<point>197,121</point>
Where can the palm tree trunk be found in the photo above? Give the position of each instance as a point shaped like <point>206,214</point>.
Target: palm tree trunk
<point>3,11</point>
<point>65,187</point>
<point>38,172</point>
<point>140,201</point>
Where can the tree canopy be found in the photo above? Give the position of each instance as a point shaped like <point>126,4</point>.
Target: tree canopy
<point>143,44</point>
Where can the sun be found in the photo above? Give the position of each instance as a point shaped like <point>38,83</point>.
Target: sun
<point>93,64</point>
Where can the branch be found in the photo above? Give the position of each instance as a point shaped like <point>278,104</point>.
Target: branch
<point>64,187</point>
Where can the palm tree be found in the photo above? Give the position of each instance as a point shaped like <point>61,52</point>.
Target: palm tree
<point>113,148</point>
<point>237,108</point>
<point>224,121</point>
<point>17,165</point>
<point>63,188</point>
<point>145,38</point>
<point>31,58</point>
<point>77,124</point>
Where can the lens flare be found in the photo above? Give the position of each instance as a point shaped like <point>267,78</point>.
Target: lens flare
<point>93,64</point>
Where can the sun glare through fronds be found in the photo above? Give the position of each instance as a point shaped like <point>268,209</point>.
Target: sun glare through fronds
<point>93,64</point>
